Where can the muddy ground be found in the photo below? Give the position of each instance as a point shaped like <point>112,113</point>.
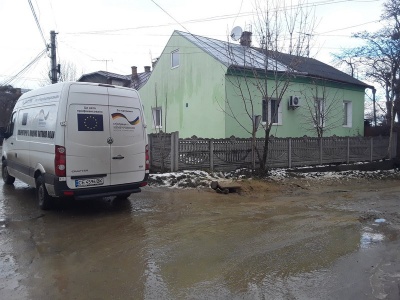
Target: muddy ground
<point>292,238</point>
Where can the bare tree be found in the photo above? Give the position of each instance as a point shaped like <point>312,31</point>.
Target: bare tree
<point>345,59</point>
<point>322,111</point>
<point>67,72</point>
<point>375,112</point>
<point>8,98</point>
<point>283,34</point>
<point>379,58</point>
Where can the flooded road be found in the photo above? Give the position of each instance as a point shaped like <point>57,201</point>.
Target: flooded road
<point>285,240</point>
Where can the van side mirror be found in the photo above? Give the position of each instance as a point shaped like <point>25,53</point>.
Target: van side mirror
<point>4,132</point>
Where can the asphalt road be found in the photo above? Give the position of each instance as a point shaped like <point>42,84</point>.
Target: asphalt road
<point>294,239</point>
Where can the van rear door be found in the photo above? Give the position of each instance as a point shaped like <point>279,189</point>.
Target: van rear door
<point>128,137</point>
<point>87,132</point>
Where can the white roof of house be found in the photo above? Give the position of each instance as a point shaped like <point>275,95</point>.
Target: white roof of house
<point>253,58</point>
<point>231,54</point>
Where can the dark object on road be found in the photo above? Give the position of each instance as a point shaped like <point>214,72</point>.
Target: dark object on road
<point>225,187</point>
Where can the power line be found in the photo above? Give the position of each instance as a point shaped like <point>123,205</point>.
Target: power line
<point>37,22</point>
<point>376,21</point>
<point>220,17</point>
<point>78,50</point>
<point>240,9</point>
<point>55,22</point>
<point>194,36</point>
<point>8,81</point>
<point>170,16</point>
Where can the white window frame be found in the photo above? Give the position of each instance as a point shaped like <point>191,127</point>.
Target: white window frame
<point>319,105</point>
<point>278,115</point>
<point>175,62</point>
<point>157,111</point>
<point>347,114</point>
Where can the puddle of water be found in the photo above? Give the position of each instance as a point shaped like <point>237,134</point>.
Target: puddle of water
<point>369,237</point>
<point>380,221</point>
<point>9,276</point>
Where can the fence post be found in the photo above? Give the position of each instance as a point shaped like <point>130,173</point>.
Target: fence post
<point>290,152</point>
<point>172,161</point>
<point>320,150</point>
<point>175,151</point>
<point>372,148</point>
<point>348,150</point>
<point>150,145</point>
<point>211,148</point>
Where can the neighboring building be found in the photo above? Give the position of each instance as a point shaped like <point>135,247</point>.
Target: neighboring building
<point>8,98</point>
<point>134,80</point>
<point>194,89</point>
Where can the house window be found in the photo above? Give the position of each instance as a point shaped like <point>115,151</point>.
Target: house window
<point>273,113</point>
<point>264,111</point>
<point>175,59</point>
<point>319,112</point>
<point>157,117</point>
<point>347,114</point>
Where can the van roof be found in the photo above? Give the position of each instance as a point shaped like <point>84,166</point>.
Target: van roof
<point>58,87</point>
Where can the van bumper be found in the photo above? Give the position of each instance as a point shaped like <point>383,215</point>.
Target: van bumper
<point>62,190</point>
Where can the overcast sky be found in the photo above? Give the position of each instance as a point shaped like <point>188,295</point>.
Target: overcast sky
<point>114,35</point>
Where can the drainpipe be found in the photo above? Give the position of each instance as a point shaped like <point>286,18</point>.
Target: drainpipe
<point>373,101</point>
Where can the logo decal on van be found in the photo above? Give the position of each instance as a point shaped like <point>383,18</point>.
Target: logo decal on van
<point>42,116</point>
<point>119,115</point>
<point>90,122</point>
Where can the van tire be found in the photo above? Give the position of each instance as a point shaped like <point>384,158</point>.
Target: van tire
<point>7,178</point>
<point>123,196</point>
<point>43,197</point>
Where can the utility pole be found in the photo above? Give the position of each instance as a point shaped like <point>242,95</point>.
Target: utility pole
<point>54,67</point>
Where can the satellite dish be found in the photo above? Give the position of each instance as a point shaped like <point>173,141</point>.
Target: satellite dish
<point>236,33</point>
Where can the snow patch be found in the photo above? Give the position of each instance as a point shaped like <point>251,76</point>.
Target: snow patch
<point>199,179</point>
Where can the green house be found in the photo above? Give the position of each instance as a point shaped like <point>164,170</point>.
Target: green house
<point>213,89</point>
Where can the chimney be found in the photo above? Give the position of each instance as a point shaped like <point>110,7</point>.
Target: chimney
<point>154,62</point>
<point>134,72</point>
<point>147,69</point>
<point>245,39</point>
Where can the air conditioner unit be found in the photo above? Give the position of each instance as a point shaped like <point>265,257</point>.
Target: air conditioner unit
<point>294,102</point>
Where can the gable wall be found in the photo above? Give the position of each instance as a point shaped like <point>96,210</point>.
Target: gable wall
<point>189,95</point>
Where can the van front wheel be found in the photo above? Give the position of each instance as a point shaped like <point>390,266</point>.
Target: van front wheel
<point>42,195</point>
<point>7,178</point>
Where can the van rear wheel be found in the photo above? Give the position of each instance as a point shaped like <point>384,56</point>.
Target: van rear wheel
<point>43,197</point>
<point>7,178</point>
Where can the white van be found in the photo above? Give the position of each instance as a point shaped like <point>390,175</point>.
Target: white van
<point>80,140</point>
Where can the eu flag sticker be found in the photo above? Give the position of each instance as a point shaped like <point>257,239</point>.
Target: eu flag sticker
<point>90,122</point>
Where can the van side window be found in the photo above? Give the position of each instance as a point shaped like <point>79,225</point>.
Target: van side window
<point>11,125</point>
<point>24,118</point>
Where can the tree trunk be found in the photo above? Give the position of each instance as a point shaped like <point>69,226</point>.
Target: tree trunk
<point>253,150</point>
<point>263,163</point>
